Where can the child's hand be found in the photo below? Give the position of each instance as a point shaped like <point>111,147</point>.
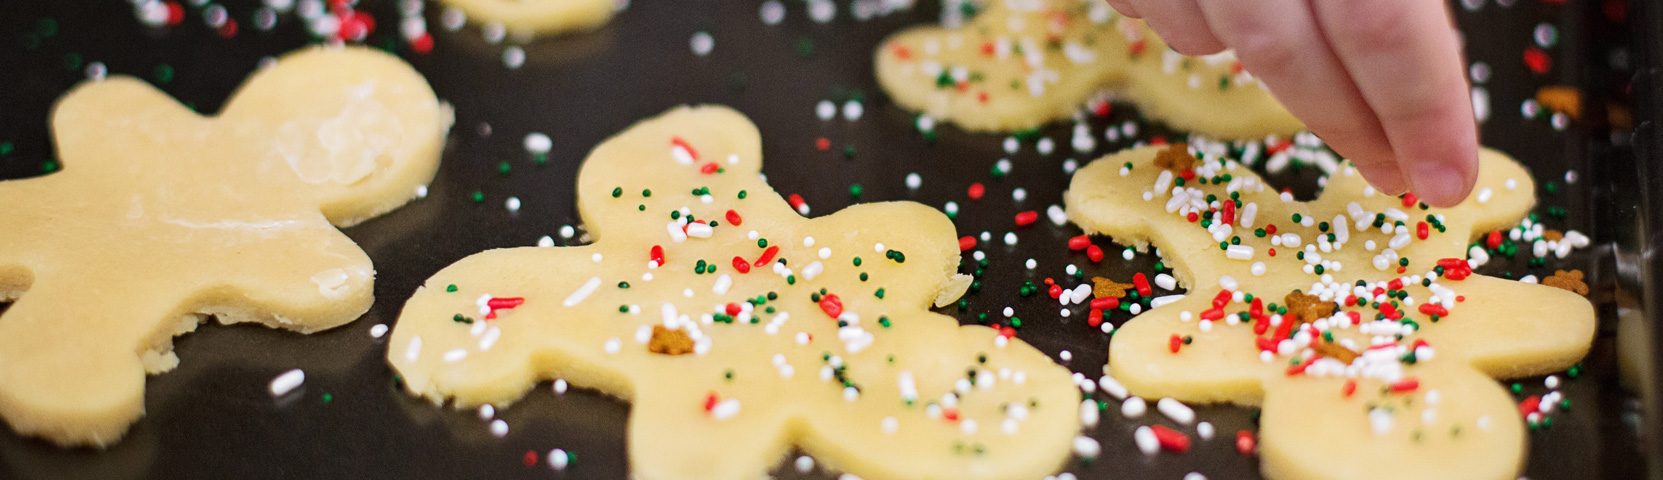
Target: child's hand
<point>1381,81</point>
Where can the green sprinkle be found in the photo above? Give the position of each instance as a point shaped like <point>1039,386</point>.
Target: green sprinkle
<point>742,194</point>
<point>163,73</point>
<point>451,288</point>
<point>761,243</point>
<point>879,293</point>
<point>617,192</point>
<point>646,193</point>
<point>623,284</point>
<point>855,190</point>
<point>478,197</point>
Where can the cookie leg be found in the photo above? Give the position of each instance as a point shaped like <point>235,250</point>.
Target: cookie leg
<point>61,377</point>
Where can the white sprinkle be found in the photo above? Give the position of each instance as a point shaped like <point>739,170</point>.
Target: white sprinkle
<point>723,283</point>
<point>490,339</point>
<point>415,350</point>
<point>499,428</point>
<point>824,253</point>
<point>1031,264</point>
<point>512,204</point>
<point>1194,476</point>
<point>1088,412</point>
<point>1086,447</point>
<point>809,241</point>
<point>1019,194</point>
<point>890,424</point>
<point>487,412</point>
<point>287,382</point>
<point>852,110</point>
<point>1176,411</point>
<point>702,43</point>
<point>560,386</point>
<point>813,270</point>
<point>613,345</point>
<point>1065,355</point>
<point>1145,439</point>
<point>566,232</point>
<point>1010,238</point>
<point>545,242</point>
<point>914,181</point>
<point>559,459</point>
<point>421,191</point>
<point>772,14</point>
<point>378,330</point>
<point>1133,407</point>
<point>804,464</point>
<point>583,292</point>
<point>513,57</point>
<point>538,143</point>
<point>456,355</point>
<point>1204,430</point>
<point>725,409</point>
<point>1484,195</point>
<point>1239,252</point>
<point>1056,214</point>
<point>1109,384</point>
<point>596,257</point>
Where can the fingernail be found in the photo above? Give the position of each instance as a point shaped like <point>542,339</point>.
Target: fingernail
<point>1439,185</point>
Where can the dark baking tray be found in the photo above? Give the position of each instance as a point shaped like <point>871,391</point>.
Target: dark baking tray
<point>212,417</point>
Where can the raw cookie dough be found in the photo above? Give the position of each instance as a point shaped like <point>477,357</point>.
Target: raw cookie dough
<point>897,393</point>
<point>1420,406</point>
<point>162,217</point>
<point>538,17</point>
<point>1022,64</point>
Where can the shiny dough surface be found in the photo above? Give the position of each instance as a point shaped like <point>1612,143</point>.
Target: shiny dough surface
<point>162,217</point>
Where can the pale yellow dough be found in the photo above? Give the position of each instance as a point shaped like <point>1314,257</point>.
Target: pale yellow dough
<point>162,217</point>
<point>1017,421</point>
<point>538,17</point>
<point>1503,329</point>
<point>1022,64</point>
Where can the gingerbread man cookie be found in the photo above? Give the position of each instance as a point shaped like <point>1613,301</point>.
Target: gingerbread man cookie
<point>161,218</point>
<point>1023,63</point>
<point>1355,321</point>
<point>538,17</point>
<point>739,329</point>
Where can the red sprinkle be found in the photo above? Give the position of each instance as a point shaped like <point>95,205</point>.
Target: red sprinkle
<point>678,142</point>
<point>1094,253</point>
<point>741,265</point>
<point>1409,199</point>
<point>1055,291</point>
<point>657,255</point>
<point>499,303</point>
<point>422,44</point>
<point>229,29</point>
<point>1537,60</point>
<point>1175,343</point>
<point>796,202</point>
<point>734,218</point>
<point>1142,283</point>
<point>977,190</point>
<point>1228,212</point>
<point>175,13</point>
<point>1349,388</point>
<point>1245,443</point>
<point>822,143</point>
<point>1530,405</point>
<point>1422,230</point>
<point>530,458</point>
<point>1171,440</point>
<point>950,414</point>
<point>1433,309</point>
<point>709,401</point>
<point>1026,218</point>
<point>1214,313</point>
<point>1493,240</point>
<point>733,308</point>
<point>832,305</point>
<point>966,243</point>
<point>1079,242</point>
<point>1095,317</point>
<point>1222,299</point>
<point>1405,385</point>
<point>767,256</point>
<point>709,168</point>
<point>1105,303</point>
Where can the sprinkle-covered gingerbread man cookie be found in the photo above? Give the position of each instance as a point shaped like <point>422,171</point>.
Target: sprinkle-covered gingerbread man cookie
<point>1354,320</point>
<point>1023,63</point>
<point>538,17</point>
<point>739,329</point>
<point>161,217</point>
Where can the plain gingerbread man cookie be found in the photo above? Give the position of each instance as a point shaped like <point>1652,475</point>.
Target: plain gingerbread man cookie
<point>161,218</point>
<point>538,17</point>
<point>1024,63</point>
<point>1351,387</point>
<point>725,332</point>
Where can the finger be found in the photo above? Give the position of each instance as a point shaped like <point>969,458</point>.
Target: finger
<point>1279,42</point>
<point>1407,63</point>
<point>1125,8</point>
<point>1180,25</point>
